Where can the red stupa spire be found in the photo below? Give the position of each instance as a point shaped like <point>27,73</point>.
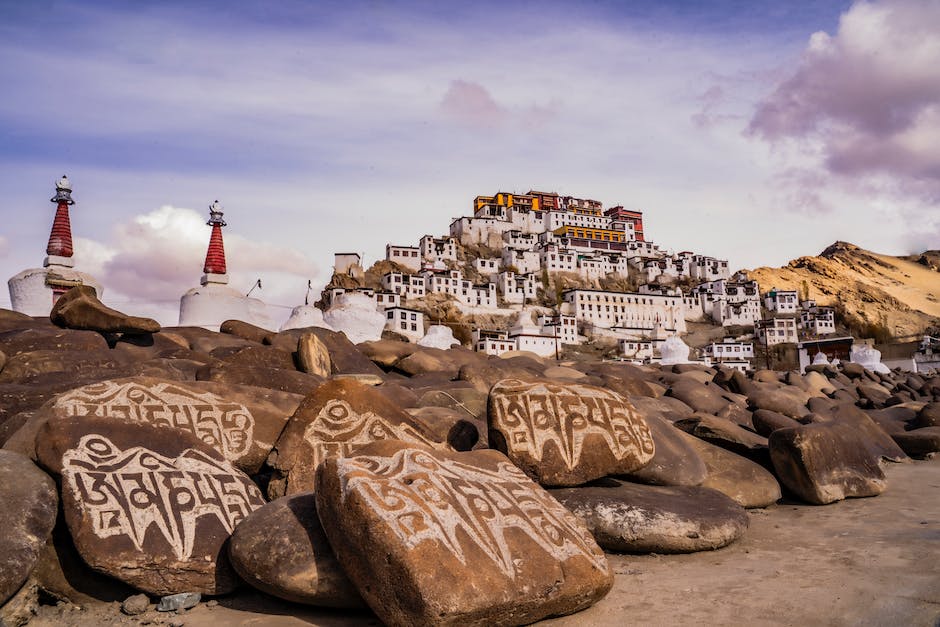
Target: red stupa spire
<point>60,239</point>
<point>215,256</point>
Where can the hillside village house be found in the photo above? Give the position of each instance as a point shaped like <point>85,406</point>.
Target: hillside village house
<point>781,301</point>
<point>816,320</point>
<point>406,256</point>
<point>404,321</point>
<point>629,311</point>
<point>775,330</point>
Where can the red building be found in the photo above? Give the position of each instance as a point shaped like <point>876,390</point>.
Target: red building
<point>624,215</point>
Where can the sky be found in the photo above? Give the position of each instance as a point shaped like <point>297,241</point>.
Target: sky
<point>751,130</point>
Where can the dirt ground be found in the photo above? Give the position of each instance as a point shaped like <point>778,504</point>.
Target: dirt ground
<point>872,561</point>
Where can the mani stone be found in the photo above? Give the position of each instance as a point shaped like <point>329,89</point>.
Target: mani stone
<point>30,503</point>
<point>336,419</point>
<point>79,308</point>
<point>632,518</point>
<point>564,434</point>
<point>826,462</point>
<point>149,506</point>
<point>444,538</point>
<point>240,422</point>
<point>281,549</point>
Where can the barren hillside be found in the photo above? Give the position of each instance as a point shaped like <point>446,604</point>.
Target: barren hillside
<point>903,293</point>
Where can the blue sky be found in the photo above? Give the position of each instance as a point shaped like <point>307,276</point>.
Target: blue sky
<point>341,126</point>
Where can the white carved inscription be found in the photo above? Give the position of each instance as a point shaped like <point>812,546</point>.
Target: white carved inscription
<point>226,427</point>
<point>126,492</point>
<point>338,429</point>
<point>532,415</point>
<point>423,498</point>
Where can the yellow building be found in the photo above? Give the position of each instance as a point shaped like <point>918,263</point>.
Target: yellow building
<point>601,235</point>
<point>503,199</point>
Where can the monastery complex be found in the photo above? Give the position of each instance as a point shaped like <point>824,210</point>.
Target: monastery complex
<point>559,271</point>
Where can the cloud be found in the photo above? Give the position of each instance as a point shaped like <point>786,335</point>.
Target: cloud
<point>472,104</point>
<point>155,257</point>
<point>866,100</point>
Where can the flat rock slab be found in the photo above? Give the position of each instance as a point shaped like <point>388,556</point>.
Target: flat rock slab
<point>919,442</point>
<point>826,462</point>
<point>79,308</point>
<point>281,549</point>
<point>336,419</point>
<point>632,518</point>
<point>30,502</point>
<point>150,506</point>
<point>565,434</point>
<point>240,422</point>
<point>442,538</point>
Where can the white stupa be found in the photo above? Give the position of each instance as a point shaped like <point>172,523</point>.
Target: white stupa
<point>357,316</point>
<point>35,290</point>
<point>303,317</point>
<point>439,336</point>
<point>820,359</point>
<point>869,357</point>
<point>674,351</point>
<point>214,302</point>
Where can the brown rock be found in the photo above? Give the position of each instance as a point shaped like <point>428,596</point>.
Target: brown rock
<point>244,330</point>
<point>451,426</point>
<point>706,398</point>
<point>825,462</point>
<point>919,443</point>
<point>27,367</point>
<point>428,360</point>
<point>79,308</point>
<point>468,539</point>
<point>313,356</point>
<point>766,422</point>
<point>271,378</point>
<point>241,423</point>
<point>386,353</point>
<point>281,549</point>
<point>747,483</point>
<point>789,401</point>
<point>632,518</point>
<point>345,357</point>
<point>725,434</point>
<point>16,341</point>
<point>30,502</point>
<point>255,355</point>
<point>334,421</point>
<point>675,463</point>
<point>150,506</point>
<point>564,434</point>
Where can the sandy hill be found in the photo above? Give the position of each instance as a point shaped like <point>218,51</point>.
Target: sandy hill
<point>901,293</point>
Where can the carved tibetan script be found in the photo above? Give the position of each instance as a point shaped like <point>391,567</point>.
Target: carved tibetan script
<point>531,415</point>
<point>422,497</point>
<point>338,429</point>
<point>226,427</point>
<point>126,492</point>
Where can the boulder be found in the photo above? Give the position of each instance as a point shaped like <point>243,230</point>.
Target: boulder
<point>272,378</point>
<point>335,420</point>
<point>675,462</point>
<point>16,341</point>
<point>726,434</point>
<point>789,401</point>
<point>386,353</point>
<point>345,357</point>
<point>766,422</point>
<point>255,355</point>
<point>631,518</point>
<point>150,506</point>
<point>428,360</point>
<point>244,330</point>
<point>700,397</point>
<point>79,308</point>
<point>748,484</point>
<point>30,502</point>
<point>564,434</point>
<point>928,416</point>
<point>825,462</point>
<point>240,422</point>
<point>313,355</point>
<point>919,443</point>
<point>444,538</point>
<point>30,366</point>
<point>281,549</point>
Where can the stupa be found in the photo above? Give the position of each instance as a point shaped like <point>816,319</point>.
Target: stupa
<point>214,302</point>
<point>34,291</point>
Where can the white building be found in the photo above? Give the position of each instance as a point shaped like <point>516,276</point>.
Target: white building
<point>404,321</point>
<point>347,263</point>
<point>705,268</point>
<point>408,286</point>
<point>488,268</point>
<point>561,326</point>
<point>730,302</point>
<point>635,349</point>
<point>492,342</point>
<point>529,337</point>
<point>728,349</point>
<point>405,256</point>
<point>626,310</point>
<point>553,258</point>
<point>781,301</point>
<point>775,331</point>
<point>517,288</point>
<point>438,248</point>
<point>816,320</point>
<point>524,261</point>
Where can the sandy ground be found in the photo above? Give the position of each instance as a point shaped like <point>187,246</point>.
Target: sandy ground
<point>872,561</point>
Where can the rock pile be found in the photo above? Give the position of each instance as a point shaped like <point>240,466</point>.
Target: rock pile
<point>432,486</point>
